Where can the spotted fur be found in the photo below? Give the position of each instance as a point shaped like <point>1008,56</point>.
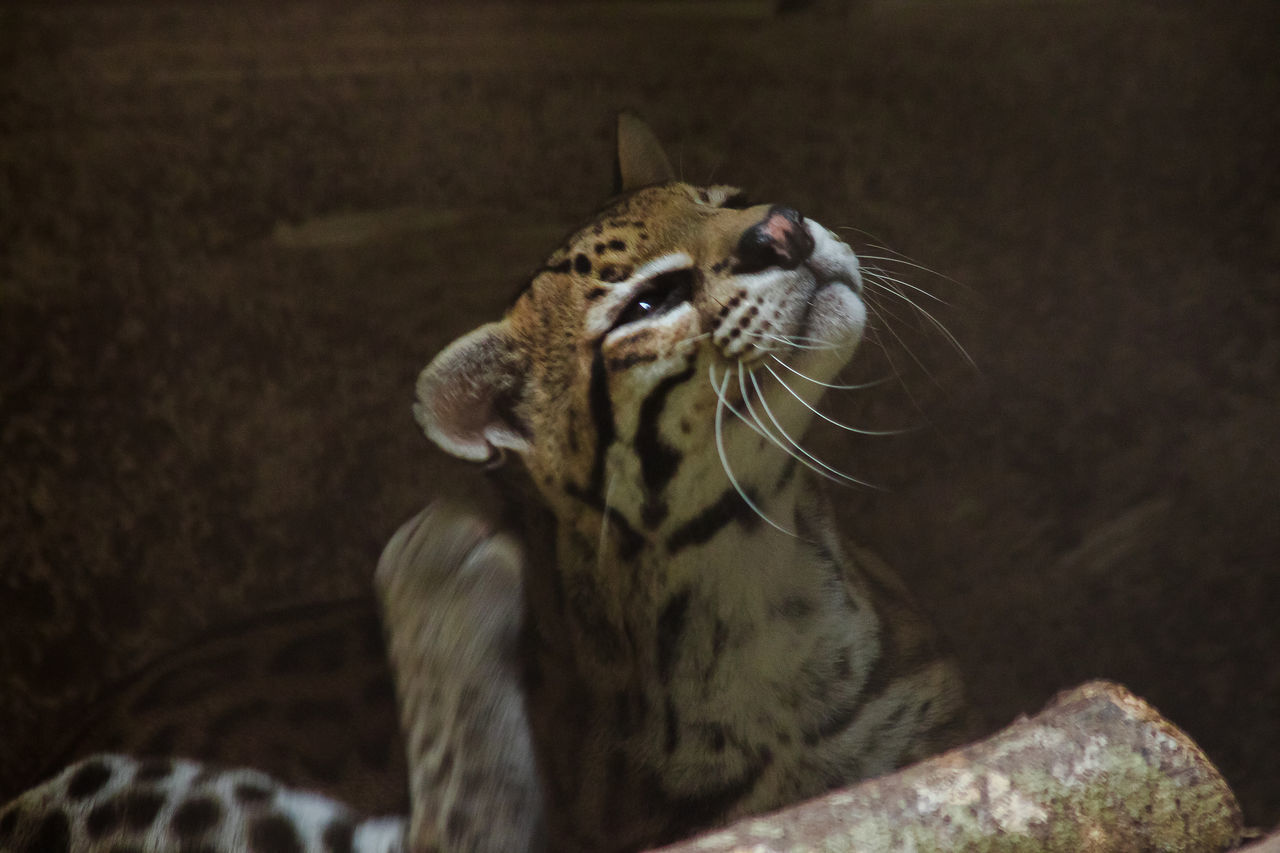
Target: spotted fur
<point>661,630</point>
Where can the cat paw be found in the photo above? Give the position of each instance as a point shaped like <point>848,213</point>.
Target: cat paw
<point>449,557</point>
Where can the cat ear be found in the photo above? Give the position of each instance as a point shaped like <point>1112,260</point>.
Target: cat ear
<point>466,397</point>
<point>641,161</point>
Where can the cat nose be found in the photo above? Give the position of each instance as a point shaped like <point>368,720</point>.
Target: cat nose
<point>778,240</point>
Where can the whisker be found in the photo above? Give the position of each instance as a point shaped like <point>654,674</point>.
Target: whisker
<point>906,262</point>
<point>886,287</point>
<point>897,372</point>
<point>724,457</point>
<point>801,342</point>
<point>692,339</point>
<point>875,241</point>
<point>805,377</point>
<point>835,475</point>
<point>883,275</point>
<point>888,327</point>
<point>827,418</point>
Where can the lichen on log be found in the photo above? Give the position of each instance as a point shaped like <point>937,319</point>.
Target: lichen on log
<point>1097,770</point>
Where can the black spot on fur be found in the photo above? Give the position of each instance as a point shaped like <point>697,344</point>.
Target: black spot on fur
<point>588,615</point>
<point>563,267</point>
<point>654,512</point>
<point>631,359</point>
<point>53,835</point>
<point>581,264</point>
<point>728,508</point>
<point>793,609</point>
<point>844,666</point>
<point>248,793</point>
<point>133,810</point>
<point>614,273</point>
<point>153,770</point>
<point>195,817</point>
<point>618,245</point>
<point>337,836</point>
<point>88,780</point>
<point>602,419</point>
<point>629,541</point>
<point>784,478</point>
<point>671,625</point>
<point>658,460</point>
<point>455,826</point>
<point>316,654</point>
<point>719,636</point>
<point>274,834</point>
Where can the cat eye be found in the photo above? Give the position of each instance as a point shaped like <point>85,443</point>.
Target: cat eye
<point>658,295</point>
<point>737,201</point>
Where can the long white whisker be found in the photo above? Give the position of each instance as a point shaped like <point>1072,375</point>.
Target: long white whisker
<point>830,420</point>
<point>939,325</point>
<point>893,365</point>
<point>884,277</point>
<point>802,342</point>
<point>816,465</point>
<point>692,339</point>
<point>746,421</point>
<point>807,378</point>
<point>724,457</point>
<point>906,263</point>
<point>888,327</point>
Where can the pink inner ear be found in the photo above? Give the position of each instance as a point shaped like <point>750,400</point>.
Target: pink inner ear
<point>464,396</point>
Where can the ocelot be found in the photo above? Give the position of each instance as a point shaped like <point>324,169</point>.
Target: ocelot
<point>659,629</point>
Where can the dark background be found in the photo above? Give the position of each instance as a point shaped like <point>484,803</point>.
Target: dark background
<point>231,236</point>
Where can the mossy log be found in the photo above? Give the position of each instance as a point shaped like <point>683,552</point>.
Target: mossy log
<point>1097,770</point>
<point>1270,844</point>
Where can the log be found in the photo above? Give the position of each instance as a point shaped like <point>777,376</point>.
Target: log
<point>1097,770</point>
<point>1270,844</point>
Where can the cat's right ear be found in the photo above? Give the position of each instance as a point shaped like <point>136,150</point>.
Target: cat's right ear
<point>641,160</point>
<point>468,396</point>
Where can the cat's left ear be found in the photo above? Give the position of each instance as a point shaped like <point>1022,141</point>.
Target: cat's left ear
<point>641,160</point>
<point>467,395</point>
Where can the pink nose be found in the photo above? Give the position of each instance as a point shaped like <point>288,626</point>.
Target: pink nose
<point>779,240</point>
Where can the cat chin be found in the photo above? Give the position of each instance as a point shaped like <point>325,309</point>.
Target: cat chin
<point>836,319</point>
